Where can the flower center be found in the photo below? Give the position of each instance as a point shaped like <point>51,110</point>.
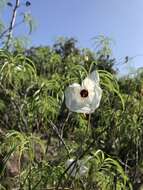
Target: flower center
<point>84,93</point>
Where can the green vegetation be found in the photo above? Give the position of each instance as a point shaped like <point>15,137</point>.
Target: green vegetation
<point>38,134</point>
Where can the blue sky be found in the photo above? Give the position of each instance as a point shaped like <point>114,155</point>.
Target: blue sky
<point>121,20</point>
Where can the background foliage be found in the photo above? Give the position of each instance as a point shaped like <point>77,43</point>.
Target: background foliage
<point>38,134</point>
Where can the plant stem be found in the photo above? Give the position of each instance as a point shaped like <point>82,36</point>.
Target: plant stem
<point>12,23</point>
<point>75,161</point>
<point>59,136</point>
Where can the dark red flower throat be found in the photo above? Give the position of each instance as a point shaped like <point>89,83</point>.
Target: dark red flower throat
<point>84,93</point>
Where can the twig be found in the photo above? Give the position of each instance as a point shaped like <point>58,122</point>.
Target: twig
<point>63,126</point>
<point>59,136</point>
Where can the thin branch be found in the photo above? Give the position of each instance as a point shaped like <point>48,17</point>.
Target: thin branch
<point>63,126</point>
<point>59,136</point>
<point>75,161</point>
<point>12,22</point>
<point>6,30</point>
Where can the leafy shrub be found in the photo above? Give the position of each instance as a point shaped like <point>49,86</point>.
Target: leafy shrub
<point>40,133</point>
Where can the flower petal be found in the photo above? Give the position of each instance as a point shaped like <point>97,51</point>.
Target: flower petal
<point>74,101</point>
<point>73,169</point>
<point>74,85</point>
<point>83,170</point>
<point>94,76</point>
<point>72,96</point>
<point>90,81</point>
<point>94,98</point>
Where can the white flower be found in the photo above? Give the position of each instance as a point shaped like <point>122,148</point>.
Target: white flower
<point>84,98</point>
<point>77,169</point>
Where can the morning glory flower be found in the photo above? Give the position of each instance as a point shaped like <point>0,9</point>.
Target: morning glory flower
<point>84,98</point>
